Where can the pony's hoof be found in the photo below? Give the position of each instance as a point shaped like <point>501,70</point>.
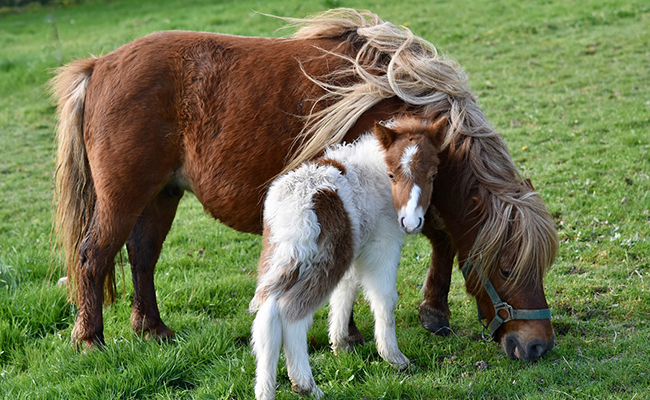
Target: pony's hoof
<point>433,321</point>
<point>355,339</point>
<point>87,346</point>
<point>152,329</point>
<point>161,334</point>
<point>85,342</point>
<point>164,336</point>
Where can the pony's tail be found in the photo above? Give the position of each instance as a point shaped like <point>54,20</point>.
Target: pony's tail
<point>74,193</point>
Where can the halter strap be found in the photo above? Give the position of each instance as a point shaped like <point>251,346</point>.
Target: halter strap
<point>501,307</point>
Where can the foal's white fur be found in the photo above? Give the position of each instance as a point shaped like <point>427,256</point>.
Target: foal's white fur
<point>293,229</point>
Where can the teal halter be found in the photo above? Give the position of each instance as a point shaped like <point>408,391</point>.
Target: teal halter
<point>500,305</point>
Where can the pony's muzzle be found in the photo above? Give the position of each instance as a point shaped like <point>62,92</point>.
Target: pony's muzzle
<point>516,348</point>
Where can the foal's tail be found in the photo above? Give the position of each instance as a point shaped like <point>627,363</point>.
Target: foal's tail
<point>74,193</point>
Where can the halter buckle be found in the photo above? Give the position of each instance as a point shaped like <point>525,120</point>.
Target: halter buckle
<point>503,306</point>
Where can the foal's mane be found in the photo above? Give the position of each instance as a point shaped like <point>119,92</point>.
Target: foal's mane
<point>391,61</point>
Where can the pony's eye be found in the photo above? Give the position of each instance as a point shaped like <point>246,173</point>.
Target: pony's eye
<point>505,273</point>
<point>391,176</point>
<point>432,177</point>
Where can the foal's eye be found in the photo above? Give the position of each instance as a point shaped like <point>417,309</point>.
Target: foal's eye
<point>505,273</point>
<point>391,176</point>
<point>432,177</point>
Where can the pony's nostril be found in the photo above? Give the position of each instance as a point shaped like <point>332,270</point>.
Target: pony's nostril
<point>401,222</point>
<point>535,349</point>
<point>510,345</point>
<point>420,221</point>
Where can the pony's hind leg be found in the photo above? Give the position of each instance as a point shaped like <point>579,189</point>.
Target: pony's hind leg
<point>355,337</point>
<point>266,340</point>
<point>144,245</point>
<point>103,240</point>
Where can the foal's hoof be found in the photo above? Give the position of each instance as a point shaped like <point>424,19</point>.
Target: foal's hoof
<point>313,391</point>
<point>433,321</point>
<point>400,362</point>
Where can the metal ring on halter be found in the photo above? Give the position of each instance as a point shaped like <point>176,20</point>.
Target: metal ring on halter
<point>500,305</point>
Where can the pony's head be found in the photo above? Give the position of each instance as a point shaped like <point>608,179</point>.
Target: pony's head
<point>505,268</point>
<point>412,148</point>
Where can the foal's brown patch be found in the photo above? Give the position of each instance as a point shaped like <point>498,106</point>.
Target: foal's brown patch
<point>334,163</point>
<point>336,248</point>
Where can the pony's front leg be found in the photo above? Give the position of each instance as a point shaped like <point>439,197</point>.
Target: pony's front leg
<point>377,271</point>
<point>294,336</point>
<point>266,340</point>
<point>341,304</point>
<point>434,310</point>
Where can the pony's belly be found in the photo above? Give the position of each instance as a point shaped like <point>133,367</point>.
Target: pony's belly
<point>235,204</point>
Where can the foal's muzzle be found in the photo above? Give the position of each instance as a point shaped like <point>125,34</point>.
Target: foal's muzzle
<point>412,225</point>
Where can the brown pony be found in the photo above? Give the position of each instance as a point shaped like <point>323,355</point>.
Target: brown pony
<point>222,115</point>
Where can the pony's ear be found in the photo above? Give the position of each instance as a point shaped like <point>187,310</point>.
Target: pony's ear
<point>385,135</point>
<point>529,184</point>
<point>437,131</point>
<point>478,205</point>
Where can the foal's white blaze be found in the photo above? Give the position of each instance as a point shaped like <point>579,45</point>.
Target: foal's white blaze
<point>407,159</point>
<point>411,216</point>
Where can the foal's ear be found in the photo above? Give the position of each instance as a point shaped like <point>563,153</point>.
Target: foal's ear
<point>437,131</point>
<point>385,135</point>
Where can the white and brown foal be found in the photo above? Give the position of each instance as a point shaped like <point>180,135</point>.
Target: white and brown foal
<point>351,207</point>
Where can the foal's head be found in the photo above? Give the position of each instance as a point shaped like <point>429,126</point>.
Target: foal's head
<point>412,148</point>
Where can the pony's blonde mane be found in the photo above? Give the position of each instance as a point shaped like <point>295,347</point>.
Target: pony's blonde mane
<point>390,62</point>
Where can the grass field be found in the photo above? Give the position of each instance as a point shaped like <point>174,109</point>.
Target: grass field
<point>568,84</point>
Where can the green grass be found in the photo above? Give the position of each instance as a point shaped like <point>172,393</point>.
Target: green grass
<point>565,81</point>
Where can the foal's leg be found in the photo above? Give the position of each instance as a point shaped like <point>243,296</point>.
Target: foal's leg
<point>294,337</point>
<point>377,271</point>
<point>266,339</point>
<point>341,304</point>
<point>144,245</point>
<point>434,310</point>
